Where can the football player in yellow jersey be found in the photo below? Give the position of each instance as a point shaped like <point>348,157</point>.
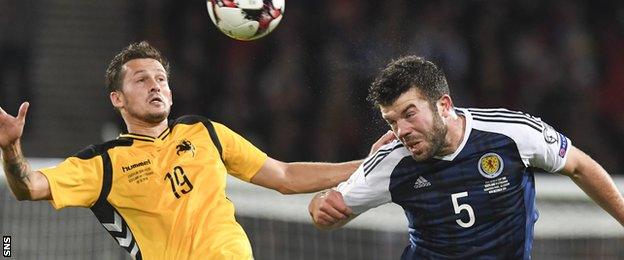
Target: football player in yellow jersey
<point>159,190</point>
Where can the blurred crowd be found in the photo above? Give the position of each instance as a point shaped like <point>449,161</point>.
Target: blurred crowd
<point>15,52</point>
<point>299,93</point>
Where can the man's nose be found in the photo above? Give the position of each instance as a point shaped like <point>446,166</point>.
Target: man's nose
<point>153,85</point>
<point>403,128</point>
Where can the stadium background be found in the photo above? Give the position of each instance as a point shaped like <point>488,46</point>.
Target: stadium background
<point>299,94</point>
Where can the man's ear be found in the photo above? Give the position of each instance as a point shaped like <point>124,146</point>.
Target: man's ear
<point>116,98</point>
<point>445,105</point>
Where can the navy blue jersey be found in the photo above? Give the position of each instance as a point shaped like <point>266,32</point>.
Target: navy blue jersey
<point>477,203</point>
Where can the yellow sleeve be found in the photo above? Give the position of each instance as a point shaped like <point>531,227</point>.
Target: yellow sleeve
<point>75,182</point>
<point>242,159</point>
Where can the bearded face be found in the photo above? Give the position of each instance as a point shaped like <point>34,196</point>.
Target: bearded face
<point>417,124</point>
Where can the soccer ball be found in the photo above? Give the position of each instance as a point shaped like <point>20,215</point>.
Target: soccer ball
<point>246,20</point>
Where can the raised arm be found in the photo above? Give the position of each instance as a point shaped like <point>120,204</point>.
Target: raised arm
<point>25,183</point>
<point>595,182</point>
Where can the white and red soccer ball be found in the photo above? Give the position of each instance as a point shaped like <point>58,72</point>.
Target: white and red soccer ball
<point>246,20</point>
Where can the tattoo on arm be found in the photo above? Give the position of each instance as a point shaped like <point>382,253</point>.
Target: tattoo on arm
<point>21,179</point>
<point>18,168</point>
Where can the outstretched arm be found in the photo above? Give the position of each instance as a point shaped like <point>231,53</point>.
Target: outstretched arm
<point>595,182</point>
<point>25,183</point>
<point>302,177</point>
<point>305,177</point>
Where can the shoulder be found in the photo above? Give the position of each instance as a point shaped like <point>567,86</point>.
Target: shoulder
<point>526,131</point>
<point>504,120</point>
<point>519,126</point>
<point>211,126</point>
<point>386,158</point>
<point>190,120</point>
<point>99,149</point>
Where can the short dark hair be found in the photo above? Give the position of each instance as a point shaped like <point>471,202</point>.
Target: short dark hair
<point>403,74</point>
<point>140,50</point>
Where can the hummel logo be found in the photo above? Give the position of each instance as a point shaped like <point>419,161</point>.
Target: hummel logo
<point>136,165</point>
<point>421,182</point>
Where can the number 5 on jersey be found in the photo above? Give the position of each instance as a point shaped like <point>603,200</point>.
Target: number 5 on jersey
<point>184,186</point>
<point>459,207</point>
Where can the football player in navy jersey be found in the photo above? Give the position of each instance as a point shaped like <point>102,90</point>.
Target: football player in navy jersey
<point>464,176</point>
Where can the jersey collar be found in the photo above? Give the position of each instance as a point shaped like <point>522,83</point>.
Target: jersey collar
<point>467,130</point>
<point>147,138</point>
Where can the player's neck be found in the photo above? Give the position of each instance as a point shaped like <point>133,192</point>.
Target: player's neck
<point>146,128</point>
<point>455,135</point>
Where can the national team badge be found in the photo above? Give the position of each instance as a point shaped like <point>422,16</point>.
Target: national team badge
<point>185,146</point>
<point>490,165</point>
<point>550,135</point>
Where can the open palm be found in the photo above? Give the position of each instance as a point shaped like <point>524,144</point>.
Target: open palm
<point>11,127</point>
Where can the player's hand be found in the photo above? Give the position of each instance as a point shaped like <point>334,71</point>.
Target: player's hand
<point>328,208</point>
<point>384,139</point>
<point>11,128</point>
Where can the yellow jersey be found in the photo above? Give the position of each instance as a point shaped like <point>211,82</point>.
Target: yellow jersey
<point>163,197</point>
